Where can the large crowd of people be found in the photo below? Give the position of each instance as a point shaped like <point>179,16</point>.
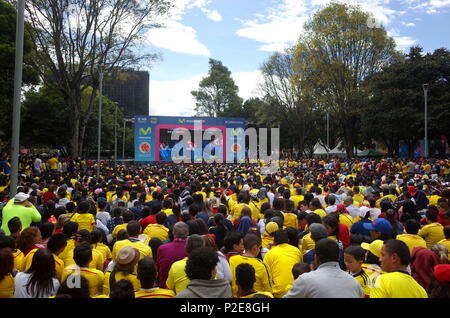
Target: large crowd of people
<point>317,228</point>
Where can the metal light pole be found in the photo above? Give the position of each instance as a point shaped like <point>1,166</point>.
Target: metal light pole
<point>328,135</point>
<point>99,120</point>
<point>123,139</point>
<point>17,93</point>
<point>425,91</point>
<point>115,137</point>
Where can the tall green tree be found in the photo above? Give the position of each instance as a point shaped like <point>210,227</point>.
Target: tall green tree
<point>395,111</point>
<point>337,51</point>
<point>217,94</point>
<point>75,41</point>
<point>7,56</point>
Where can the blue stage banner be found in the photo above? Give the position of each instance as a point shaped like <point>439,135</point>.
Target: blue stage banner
<point>153,138</point>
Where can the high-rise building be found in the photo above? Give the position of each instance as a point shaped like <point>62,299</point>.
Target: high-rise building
<point>130,89</point>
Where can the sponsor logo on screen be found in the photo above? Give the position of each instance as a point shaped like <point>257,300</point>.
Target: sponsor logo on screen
<point>144,147</point>
<point>146,131</point>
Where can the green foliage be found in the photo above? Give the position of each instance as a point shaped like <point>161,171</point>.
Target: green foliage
<point>217,94</point>
<point>7,57</point>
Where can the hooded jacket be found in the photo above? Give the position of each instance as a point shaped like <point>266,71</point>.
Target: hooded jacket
<point>200,288</point>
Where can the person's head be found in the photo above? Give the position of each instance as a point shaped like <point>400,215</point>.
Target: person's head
<point>83,207</point>
<point>246,211</point>
<point>293,236</point>
<point>331,223</point>
<point>373,251</point>
<point>102,205</point>
<point>6,262</point>
<point>82,237</point>
<point>303,205</point>
<point>28,238</point>
<point>432,215</point>
<point>447,231</point>
<point>134,228</point>
<point>233,242</point>
<point>122,289</point>
<point>318,231</point>
<point>326,250</point>
<point>15,226</point>
<point>330,199</point>
<point>70,290</point>
<point>312,218</point>
<point>96,236</point>
<point>47,230</point>
<point>245,278</point>
<point>271,227</point>
<point>440,284</point>
<point>42,272</point>
<point>380,229</point>
<point>299,269</point>
<point>193,242</point>
<point>441,251</point>
<point>128,216</point>
<point>412,226</point>
<point>180,230</point>
<point>82,255</point>
<point>201,264</point>
<point>315,204</point>
<point>354,257</point>
<point>57,243</point>
<point>161,218</point>
<point>146,272</point>
<point>394,256</point>
<point>127,259</point>
<point>70,228</point>
<point>280,237</point>
<point>252,244</point>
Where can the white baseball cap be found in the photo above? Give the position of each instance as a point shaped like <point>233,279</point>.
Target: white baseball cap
<point>21,197</point>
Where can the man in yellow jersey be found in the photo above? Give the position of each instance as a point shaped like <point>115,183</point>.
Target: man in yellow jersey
<point>245,280</point>
<point>433,232</point>
<point>281,259</point>
<point>252,246</point>
<point>446,241</point>
<point>396,282</point>
<point>146,273</point>
<point>133,240</point>
<point>410,238</point>
<point>83,256</point>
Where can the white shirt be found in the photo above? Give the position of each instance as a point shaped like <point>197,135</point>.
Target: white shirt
<point>20,287</point>
<point>331,209</point>
<point>104,217</point>
<point>374,213</point>
<point>37,164</point>
<point>353,210</point>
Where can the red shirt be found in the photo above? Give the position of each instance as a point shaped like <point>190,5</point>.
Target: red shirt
<point>441,218</point>
<point>344,235</point>
<point>48,196</point>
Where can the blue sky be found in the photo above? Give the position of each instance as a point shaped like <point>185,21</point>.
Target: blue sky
<point>244,33</point>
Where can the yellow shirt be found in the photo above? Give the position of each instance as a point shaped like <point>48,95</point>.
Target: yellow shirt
<point>118,228</point>
<point>157,231</point>
<point>168,212</point>
<point>281,259</point>
<point>97,260</point>
<point>85,221</point>
<point>236,211</point>
<point>144,249</point>
<point>432,233</point>
<point>53,162</point>
<point>7,287</point>
<point>119,276</point>
<point>18,260</point>
<point>412,241</point>
<point>297,199</point>
<point>433,200</point>
<point>262,272</point>
<point>363,279</point>
<point>104,249</point>
<point>258,293</point>
<point>154,293</point>
<point>177,279</point>
<point>93,276</point>
<point>346,219</point>
<point>59,264</point>
<point>266,240</point>
<point>70,246</point>
<point>446,243</point>
<point>290,219</point>
<point>397,285</point>
<point>320,212</point>
<point>358,198</point>
<point>307,243</point>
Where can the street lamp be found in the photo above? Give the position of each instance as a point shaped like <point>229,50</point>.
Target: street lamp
<point>16,103</point>
<point>115,136</point>
<point>425,92</point>
<point>99,120</point>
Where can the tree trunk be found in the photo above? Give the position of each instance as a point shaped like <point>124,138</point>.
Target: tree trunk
<point>74,144</point>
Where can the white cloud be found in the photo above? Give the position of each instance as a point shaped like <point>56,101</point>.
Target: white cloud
<point>177,37</point>
<point>173,98</point>
<point>409,24</point>
<point>403,42</point>
<point>212,14</point>
<point>281,25</point>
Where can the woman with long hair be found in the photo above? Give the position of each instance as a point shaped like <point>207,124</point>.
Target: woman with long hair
<point>40,280</point>
<point>6,270</point>
<point>29,239</point>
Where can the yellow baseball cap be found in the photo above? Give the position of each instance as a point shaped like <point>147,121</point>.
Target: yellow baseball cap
<point>374,247</point>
